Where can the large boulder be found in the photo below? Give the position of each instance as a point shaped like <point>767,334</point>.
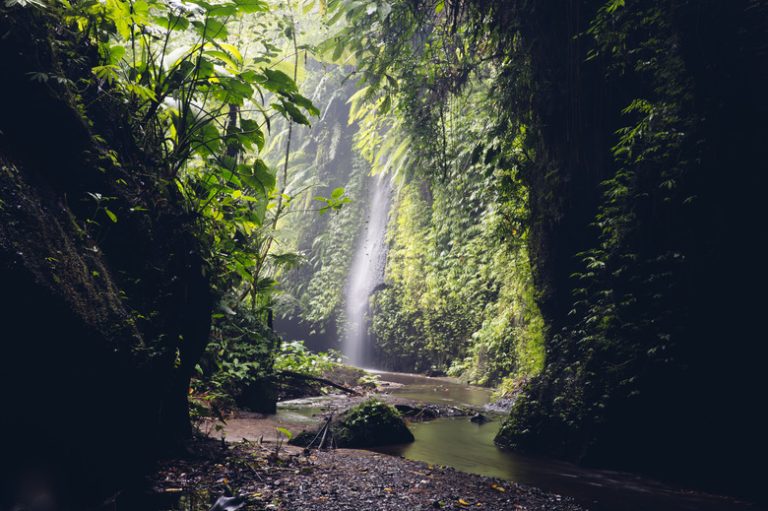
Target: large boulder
<point>369,424</point>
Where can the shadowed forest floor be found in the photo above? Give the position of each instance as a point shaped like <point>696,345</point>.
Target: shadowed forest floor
<point>337,480</point>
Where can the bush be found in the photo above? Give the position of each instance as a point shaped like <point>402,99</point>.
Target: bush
<point>239,359</point>
<point>294,356</point>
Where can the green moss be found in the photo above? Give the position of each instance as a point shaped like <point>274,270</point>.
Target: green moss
<point>516,430</point>
<point>369,424</point>
<point>372,423</point>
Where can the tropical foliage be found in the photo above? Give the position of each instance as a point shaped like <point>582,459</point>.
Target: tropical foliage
<point>560,223</point>
<point>459,208</point>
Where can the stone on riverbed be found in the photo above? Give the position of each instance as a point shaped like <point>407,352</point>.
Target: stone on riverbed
<point>369,424</point>
<point>413,413</point>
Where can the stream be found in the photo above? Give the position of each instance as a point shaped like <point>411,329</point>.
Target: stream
<point>458,443</point>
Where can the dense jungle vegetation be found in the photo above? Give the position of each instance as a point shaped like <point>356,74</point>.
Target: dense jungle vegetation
<point>574,203</point>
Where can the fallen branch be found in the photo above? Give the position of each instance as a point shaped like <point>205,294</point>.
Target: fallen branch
<point>306,377</point>
<point>323,430</point>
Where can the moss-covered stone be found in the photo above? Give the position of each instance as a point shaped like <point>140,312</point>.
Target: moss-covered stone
<point>369,424</point>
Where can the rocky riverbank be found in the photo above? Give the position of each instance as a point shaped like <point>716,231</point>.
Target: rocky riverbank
<point>288,478</point>
<point>425,400</point>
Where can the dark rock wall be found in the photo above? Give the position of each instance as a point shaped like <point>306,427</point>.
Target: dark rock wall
<point>102,322</point>
<point>691,413</point>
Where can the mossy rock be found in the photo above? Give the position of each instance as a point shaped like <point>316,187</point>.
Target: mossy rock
<point>368,424</point>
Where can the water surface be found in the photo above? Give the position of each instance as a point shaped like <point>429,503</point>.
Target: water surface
<point>469,447</point>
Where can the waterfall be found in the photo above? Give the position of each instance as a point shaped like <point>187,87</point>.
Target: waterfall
<point>366,271</point>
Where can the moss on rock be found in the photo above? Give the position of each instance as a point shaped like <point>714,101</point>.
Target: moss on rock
<point>369,424</point>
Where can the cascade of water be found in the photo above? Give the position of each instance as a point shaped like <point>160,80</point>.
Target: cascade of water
<point>366,271</point>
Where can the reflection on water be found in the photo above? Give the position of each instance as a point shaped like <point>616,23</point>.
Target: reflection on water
<point>458,443</point>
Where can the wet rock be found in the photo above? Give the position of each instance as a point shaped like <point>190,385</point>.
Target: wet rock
<point>407,410</point>
<point>368,424</point>
<point>419,413</point>
<point>479,418</point>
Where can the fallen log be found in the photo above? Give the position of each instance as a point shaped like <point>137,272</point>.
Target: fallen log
<point>323,381</point>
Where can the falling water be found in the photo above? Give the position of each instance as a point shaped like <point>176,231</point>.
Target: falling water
<point>366,271</point>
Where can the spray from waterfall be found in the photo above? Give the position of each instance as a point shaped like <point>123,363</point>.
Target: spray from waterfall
<point>366,272</point>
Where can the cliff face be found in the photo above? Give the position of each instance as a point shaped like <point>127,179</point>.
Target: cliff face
<point>104,313</point>
<point>645,240</point>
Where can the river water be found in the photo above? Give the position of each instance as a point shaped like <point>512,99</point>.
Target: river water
<point>469,447</point>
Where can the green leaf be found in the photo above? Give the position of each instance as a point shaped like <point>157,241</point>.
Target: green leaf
<point>111,215</point>
<point>236,90</point>
<point>264,175</point>
<point>107,73</point>
<point>614,5</point>
<point>116,53</point>
<point>223,10</point>
<point>141,91</point>
<point>250,6</point>
<point>279,82</point>
<point>120,15</point>
<point>305,103</point>
<point>140,10</point>
<point>232,50</point>
<point>171,22</point>
<point>258,177</point>
<point>211,29</point>
<point>338,50</point>
<point>385,105</point>
<point>249,76</point>
<point>222,56</point>
<point>290,111</point>
<point>202,3</point>
<point>251,133</point>
<point>287,434</point>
